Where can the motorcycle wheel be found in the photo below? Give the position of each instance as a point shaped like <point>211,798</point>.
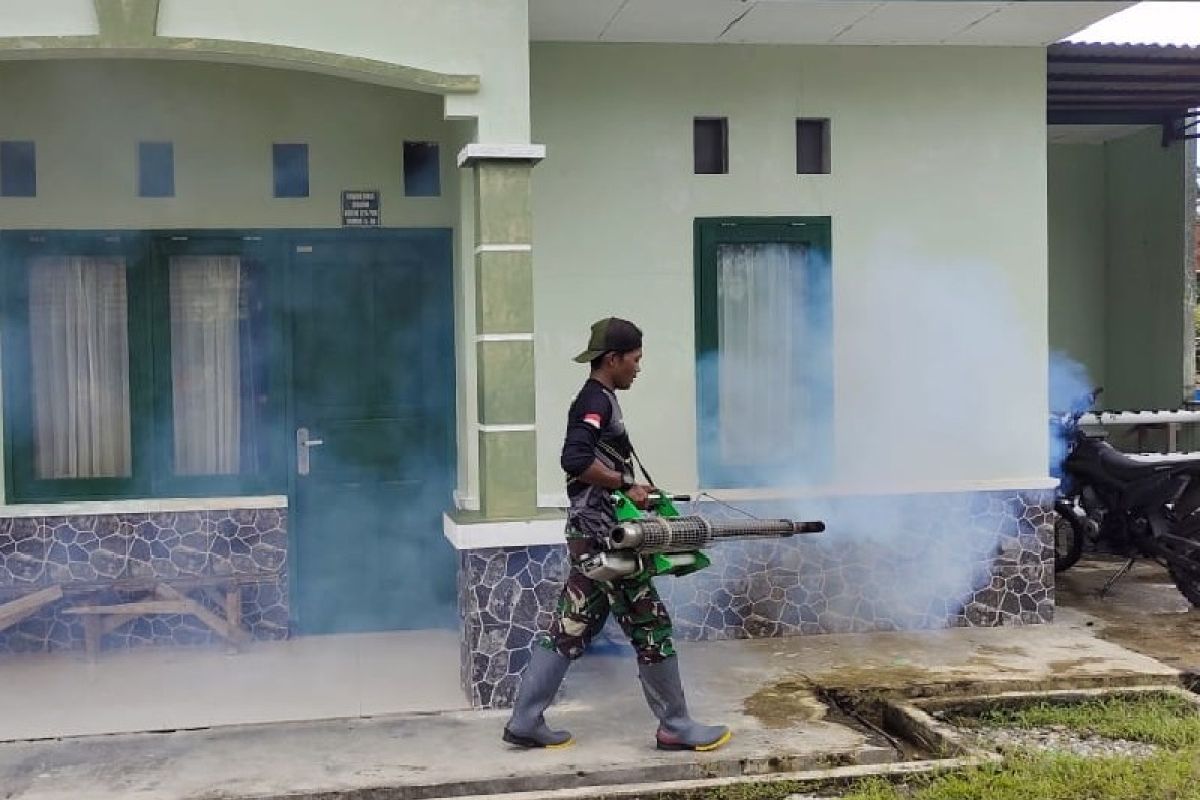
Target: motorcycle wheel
<point>1187,582</point>
<point>1068,542</point>
<point>1180,553</point>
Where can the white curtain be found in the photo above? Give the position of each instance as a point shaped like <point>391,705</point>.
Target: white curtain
<point>206,363</point>
<point>79,345</point>
<point>760,302</point>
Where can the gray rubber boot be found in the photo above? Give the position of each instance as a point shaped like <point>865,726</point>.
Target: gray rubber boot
<point>676,731</point>
<point>539,683</point>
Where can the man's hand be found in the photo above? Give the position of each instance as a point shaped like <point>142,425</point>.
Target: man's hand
<point>640,495</point>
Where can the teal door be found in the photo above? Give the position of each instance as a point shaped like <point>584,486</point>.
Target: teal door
<point>373,408</point>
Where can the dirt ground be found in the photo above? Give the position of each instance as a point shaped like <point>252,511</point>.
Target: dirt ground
<point>1143,611</point>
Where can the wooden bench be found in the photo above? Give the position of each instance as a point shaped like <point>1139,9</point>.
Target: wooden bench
<point>13,611</point>
<point>156,596</point>
<point>163,598</point>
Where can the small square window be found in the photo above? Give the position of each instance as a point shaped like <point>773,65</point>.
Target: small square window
<point>422,172</point>
<point>812,147</point>
<point>291,169</point>
<point>156,169</point>
<point>710,140</point>
<point>18,169</point>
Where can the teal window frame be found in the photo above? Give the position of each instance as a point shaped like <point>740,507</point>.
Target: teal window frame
<point>273,477</point>
<point>709,234</point>
<point>147,258</point>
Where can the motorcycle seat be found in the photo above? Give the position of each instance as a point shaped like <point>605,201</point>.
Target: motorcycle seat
<point>1128,467</point>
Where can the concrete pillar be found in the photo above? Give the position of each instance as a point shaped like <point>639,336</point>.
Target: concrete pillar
<point>504,327</point>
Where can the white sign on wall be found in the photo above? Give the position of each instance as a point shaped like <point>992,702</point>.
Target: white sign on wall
<point>360,208</point>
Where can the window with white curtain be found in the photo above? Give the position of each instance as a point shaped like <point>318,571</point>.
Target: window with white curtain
<point>764,351</point>
<point>139,365</point>
<point>762,396</point>
<point>206,369</point>
<point>79,353</point>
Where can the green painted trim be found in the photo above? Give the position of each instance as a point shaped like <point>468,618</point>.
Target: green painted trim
<point>505,382</point>
<point>34,47</point>
<point>21,480</point>
<point>367,70</point>
<point>503,202</point>
<point>271,479</point>
<point>13,291</point>
<point>709,231</point>
<point>127,31</point>
<point>127,21</point>
<point>504,292</point>
<point>505,377</point>
<point>507,474</point>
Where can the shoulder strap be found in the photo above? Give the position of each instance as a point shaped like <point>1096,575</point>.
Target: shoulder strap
<point>641,466</point>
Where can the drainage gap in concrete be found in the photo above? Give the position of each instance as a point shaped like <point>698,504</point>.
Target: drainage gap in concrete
<point>872,717</point>
<point>893,730</point>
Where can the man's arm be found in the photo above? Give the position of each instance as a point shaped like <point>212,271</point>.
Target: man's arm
<point>599,475</point>
<point>589,414</point>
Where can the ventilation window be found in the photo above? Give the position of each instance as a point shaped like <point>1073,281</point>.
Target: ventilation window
<point>291,169</point>
<point>18,169</point>
<point>156,169</point>
<point>812,147</point>
<point>710,140</point>
<point>422,172</point>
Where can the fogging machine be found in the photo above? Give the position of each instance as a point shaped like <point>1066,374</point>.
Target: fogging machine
<point>661,541</point>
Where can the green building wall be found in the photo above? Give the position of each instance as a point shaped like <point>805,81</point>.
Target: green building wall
<point>1120,283</point>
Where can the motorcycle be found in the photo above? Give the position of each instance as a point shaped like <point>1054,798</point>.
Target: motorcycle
<point>1133,506</point>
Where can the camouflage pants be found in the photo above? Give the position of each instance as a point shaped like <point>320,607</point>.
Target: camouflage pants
<point>584,605</point>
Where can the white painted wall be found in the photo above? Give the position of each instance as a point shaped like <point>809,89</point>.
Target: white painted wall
<point>48,18</point>
<point>938,200</point>
<point>480,37</point>
<point>467,401</point>
<point>86,118</point>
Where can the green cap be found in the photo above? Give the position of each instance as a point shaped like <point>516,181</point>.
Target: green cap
<point>611,335</point>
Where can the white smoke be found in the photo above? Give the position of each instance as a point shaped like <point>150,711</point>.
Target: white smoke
<point>937,388</point>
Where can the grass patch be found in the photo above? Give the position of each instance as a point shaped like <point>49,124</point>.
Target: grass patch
<point>1172,773</point>
<point>1166,776</point>
<point>778,790</point>
<point>1160,719</point>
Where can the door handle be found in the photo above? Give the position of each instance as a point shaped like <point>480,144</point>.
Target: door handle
<point>303,445</point>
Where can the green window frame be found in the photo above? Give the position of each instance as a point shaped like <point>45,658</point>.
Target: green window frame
<point>147,256</point>
<point>710,233</point>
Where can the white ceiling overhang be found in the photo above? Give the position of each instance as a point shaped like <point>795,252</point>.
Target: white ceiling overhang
<point>48,18</point>
<point>849,22</point>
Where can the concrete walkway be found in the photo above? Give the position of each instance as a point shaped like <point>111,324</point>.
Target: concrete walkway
<point>1143,612</point>
<point>173,688</point>
<point>761,688</point>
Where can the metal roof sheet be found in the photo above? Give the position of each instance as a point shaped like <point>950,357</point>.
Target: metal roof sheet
<point>1097,83</point>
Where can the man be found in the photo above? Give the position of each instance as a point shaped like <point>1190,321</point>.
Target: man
<point>597,458</point>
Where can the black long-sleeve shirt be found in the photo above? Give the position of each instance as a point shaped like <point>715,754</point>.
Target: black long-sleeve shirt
<point>595,431</point>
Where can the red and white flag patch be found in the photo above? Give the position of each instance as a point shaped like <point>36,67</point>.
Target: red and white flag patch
<point>594,420</point>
